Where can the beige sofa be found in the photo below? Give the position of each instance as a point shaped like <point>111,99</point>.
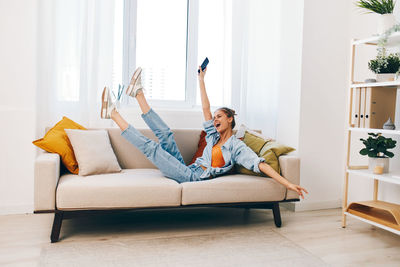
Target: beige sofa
<point>140,185</point>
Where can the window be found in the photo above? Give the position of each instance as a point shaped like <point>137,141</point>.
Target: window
<point>168,41</point>
<point>161,47</point>
<point>67,52</point>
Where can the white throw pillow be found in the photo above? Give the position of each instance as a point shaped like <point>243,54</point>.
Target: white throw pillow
<point>93,151</point>
<point>243,129</point>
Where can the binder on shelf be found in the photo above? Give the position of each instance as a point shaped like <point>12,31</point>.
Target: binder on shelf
<point>380,106</point>
<point>367,107</point>
<point>362,107</point>
<point>355,117</point>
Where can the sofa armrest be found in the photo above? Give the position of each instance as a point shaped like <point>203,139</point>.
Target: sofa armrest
<point>47,173</point>
<point>290,168</point>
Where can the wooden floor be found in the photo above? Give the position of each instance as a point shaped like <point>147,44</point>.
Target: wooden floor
<point>319,232</point>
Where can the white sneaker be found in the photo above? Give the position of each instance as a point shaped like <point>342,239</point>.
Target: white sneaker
<point>107,104</point>
<point>135,85</point>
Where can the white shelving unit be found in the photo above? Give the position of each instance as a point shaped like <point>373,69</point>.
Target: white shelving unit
<point>393,40</point>
<point>370,130</point>
<point>380,84</point>
<point>373,223</point>
<point>393,178</point>
<point>382,214</point>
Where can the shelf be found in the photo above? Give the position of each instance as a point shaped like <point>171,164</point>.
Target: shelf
<point>377,84</point>
<point>394,39</point>
<point>393,178</point>
<point>379,213</point>
<point>373,223</point>
<point>370,130</point>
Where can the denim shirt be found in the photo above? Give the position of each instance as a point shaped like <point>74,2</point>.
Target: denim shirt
<point>233,151</point>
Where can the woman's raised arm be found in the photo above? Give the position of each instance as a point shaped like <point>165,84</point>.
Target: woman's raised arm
<point>205,103</point>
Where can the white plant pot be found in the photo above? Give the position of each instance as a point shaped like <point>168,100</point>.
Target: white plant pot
<point>385,77</point>
<point>385,22</point>
<point>374,162</point>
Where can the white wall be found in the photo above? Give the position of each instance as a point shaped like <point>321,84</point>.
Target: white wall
<point>291,46</point>
<point>328,29</point>
<point>17,107</point>
<point>324,80</point>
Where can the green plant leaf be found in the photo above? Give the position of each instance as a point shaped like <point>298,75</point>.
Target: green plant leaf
<point>389,154</point>
<point>364,151</point>
<point>381,149</point>
<point>377,145</point>
<point>376,6</point>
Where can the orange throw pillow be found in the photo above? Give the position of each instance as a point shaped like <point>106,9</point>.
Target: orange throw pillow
<point>200,147</point>
<point>56,141</point>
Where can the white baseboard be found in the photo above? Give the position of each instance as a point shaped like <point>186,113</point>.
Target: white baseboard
<point>303,206</point>
<point>16,209</point>
<point>319,205</point>
<point>288,205</point>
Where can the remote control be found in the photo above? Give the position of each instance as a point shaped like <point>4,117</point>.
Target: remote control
<point>203,65</point>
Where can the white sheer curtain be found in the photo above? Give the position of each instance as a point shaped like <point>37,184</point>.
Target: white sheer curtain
<point>75,55</point>
<point>256,59</point>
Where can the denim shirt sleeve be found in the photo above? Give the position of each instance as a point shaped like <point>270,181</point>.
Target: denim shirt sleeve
<point>209,129</point>
<point>246,157</point>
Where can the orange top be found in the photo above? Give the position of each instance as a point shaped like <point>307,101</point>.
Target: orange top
<point>217,160</point>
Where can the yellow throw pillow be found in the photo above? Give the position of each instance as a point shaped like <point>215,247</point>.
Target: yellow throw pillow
<point>56,141</point>
<point>270,151</point>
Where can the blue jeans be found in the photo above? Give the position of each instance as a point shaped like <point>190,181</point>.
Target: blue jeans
<point>165,155</point>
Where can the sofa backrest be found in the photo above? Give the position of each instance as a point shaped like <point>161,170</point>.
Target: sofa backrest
<point>129,157</point>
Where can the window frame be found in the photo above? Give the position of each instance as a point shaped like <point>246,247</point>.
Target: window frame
<point>129,54</point>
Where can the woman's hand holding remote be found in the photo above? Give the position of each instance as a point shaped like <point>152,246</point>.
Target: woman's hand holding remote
<point>201,74</point>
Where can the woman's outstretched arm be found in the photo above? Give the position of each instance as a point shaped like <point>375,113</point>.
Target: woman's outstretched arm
<point>269,171</point>
<point>205,103</point>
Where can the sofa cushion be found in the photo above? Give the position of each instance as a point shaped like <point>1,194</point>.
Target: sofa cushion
<point>93,151</point>
<point>200,147</point>
<point>130,188</point>
<point>56,141</point>
<point>231,189</point>
<point>265,148</point>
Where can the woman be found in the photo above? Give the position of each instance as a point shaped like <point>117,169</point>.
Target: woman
<point>223,149</point>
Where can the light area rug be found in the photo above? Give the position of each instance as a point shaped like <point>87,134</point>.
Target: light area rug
<point>241,248</point>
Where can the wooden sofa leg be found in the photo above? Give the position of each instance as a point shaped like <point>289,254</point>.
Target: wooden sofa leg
<point>277,214</point>
<point>55,231</point>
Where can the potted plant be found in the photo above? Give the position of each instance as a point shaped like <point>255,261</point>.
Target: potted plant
<point>385,67</point>
<point>376,147</point>
<point>382,7</point>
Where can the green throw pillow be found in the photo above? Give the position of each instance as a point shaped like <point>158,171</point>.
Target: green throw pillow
<point>254,142</point>
<point>269,150</point>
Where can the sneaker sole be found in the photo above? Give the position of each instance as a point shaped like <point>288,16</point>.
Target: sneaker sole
<point>133,81</point>
<point>104,101</point>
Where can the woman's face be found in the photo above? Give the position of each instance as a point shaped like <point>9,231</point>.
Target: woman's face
<point>221,121</point>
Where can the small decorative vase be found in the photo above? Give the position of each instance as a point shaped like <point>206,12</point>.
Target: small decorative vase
<point>378,165</point>
<point>385,77</point>
<point>386,21</point>
<point>389,125</point>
